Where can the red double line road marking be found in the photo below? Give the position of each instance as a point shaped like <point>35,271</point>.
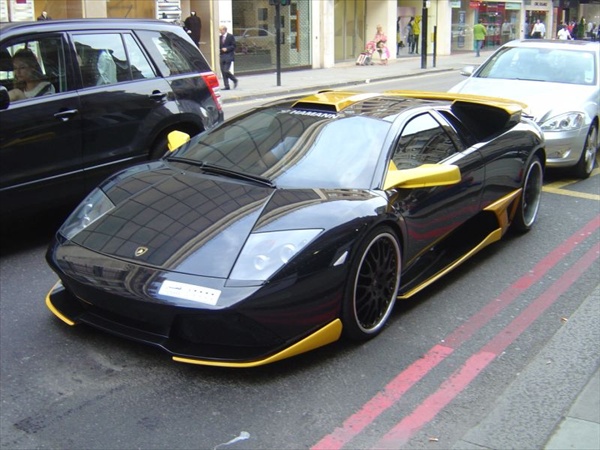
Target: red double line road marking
<point>394,390</point>
<point>459,380</point>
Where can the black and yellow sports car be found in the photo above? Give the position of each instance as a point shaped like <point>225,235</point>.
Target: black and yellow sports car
<point>296,223</point>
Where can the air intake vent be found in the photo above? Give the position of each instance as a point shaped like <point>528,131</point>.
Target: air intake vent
<point>320,107</point>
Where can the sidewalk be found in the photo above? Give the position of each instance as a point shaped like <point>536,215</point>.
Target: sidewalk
<point>566,395</point>
<point>252,87</point>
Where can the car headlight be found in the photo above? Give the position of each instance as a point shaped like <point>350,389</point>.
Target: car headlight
<point>89,210</point>
<point>564,122</point>
<point>265,253</point>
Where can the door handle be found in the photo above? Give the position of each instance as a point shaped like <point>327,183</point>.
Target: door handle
<point>65,116</point>
<point>158,96</point>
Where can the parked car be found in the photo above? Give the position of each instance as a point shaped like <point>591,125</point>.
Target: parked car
<point>559,82</point>
<point>299,221</point>
<point>254,40</point>
<point>114,89</point>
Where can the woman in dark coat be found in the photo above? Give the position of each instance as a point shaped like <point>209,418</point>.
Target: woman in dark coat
<point>193,25</point>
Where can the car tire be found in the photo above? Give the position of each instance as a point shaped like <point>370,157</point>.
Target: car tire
<point>159,148</point>
<point>372,285</point>
<point>586,162</point>
<point>531,194</point>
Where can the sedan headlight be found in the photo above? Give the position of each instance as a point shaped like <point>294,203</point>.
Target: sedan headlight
<point>564,122</point>
<point>91,209</point>
<point>265,253</point>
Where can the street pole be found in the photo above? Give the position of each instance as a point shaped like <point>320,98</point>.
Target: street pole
<point>278,37</point>
<point>424,35</point>
<point>434,44</point>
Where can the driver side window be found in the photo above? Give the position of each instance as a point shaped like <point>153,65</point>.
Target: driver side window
<point>423,141</point>
<point>33,67</point>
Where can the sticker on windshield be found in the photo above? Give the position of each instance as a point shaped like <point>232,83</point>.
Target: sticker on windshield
<point>191,292</point>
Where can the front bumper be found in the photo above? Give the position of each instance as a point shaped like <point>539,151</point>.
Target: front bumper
<point>564,148</point>
<point>179,343</point>
<point>249,326</point>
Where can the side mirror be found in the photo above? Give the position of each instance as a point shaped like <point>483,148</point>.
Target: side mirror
<point>426,175</point>
<point>467,71</point>
<point>176,139</point>
<point>4,98</point>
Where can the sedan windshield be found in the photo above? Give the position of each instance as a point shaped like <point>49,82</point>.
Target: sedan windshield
<point>542,64</point>
<point>294,148</point>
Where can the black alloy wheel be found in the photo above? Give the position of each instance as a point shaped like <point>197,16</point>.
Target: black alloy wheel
<point>529,203</point>
<point>373,285</point>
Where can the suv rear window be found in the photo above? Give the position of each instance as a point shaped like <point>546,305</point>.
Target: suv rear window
<point>109,58</point>
<point>173,55</point>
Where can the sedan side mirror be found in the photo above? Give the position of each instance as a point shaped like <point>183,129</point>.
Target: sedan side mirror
<point>467,71</point>
<point>4,98</point>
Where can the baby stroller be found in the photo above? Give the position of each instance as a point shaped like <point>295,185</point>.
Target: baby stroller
<point>366,57</point>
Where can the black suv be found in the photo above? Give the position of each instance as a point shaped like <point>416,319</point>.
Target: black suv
<point>107,92</point>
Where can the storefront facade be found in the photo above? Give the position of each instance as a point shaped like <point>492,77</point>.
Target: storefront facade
<point>503,21</point>
<point>255,29</point>
<point>321,33</point>
<point>539,10</point>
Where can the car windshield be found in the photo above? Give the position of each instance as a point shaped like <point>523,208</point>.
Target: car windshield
<point>294,148</point>
<point>542,64</point>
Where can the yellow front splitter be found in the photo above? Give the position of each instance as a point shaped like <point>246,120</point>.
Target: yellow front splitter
<point>326,335</point>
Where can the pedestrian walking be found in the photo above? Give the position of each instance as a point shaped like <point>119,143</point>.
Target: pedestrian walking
<point>410,35</point>
<point>563,34</point>
<point>227,56</point>
<point>479,33</point>
<point>539,30</point>
<point>44,16</point>
<point>193,26</point>
<point>399,41</point>
<point>417,32</point>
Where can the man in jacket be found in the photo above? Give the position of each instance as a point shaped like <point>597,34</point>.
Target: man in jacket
<point>479,33</point>
<point>227,52</point>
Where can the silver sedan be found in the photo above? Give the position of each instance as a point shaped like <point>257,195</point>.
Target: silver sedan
<point>558,80</point>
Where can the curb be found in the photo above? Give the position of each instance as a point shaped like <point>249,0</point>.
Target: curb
<point>232,98</point>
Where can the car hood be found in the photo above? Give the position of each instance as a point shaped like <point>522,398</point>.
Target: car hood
<point>544,99</point>
<point>196,223</point>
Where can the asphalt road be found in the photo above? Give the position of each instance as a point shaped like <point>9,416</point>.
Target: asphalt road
<point>441,365</point>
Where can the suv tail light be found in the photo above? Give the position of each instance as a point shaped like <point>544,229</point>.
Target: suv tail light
<point>212,82</point>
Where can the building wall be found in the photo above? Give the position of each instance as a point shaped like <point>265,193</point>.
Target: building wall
<point>94,8</point>
<point>131,8</point>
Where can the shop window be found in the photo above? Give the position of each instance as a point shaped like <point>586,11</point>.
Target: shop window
<point>255,31</point>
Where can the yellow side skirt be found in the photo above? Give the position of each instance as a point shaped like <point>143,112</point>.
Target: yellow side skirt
<point>504,214</point>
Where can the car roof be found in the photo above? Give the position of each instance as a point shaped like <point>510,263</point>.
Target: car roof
<point>553,43</point>
<point>7,28</point>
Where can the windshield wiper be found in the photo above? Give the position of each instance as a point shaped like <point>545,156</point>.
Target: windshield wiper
<point>235,174</point>
<point>207,167</point>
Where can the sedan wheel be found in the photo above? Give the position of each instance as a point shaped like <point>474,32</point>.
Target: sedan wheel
<point>529,203</point>
<point>373,285</point>
<point>584,167</point>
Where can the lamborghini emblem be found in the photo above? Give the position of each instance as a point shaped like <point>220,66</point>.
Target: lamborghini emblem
<point>140,251</point>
